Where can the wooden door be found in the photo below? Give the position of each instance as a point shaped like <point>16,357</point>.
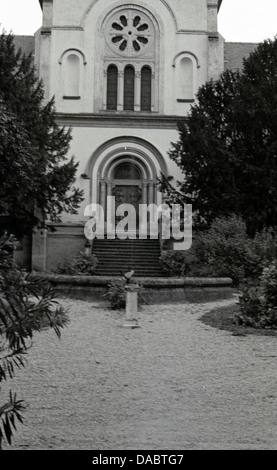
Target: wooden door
<point>127,194</point>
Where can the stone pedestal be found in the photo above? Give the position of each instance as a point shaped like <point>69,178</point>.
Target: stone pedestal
<point>131,320</point>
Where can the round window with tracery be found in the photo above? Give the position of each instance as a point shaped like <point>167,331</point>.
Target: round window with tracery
<point>129,33</point>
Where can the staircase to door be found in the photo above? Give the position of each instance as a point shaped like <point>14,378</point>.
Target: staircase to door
<point>117,256</point>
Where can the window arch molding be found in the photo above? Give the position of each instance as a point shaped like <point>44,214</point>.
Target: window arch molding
<point>185,54</point>
<point>185,66</point>
<point>72,62</point>
<point>68,52</point>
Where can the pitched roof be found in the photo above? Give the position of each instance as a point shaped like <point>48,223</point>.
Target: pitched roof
<point>234,52</point>
<point>26,43</point>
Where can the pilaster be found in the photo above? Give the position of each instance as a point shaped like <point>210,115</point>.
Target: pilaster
<point>215,42</point>
<point>44,45</point>
<point>47,13</point>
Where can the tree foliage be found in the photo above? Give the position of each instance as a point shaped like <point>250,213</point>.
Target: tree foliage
<point>36,177</point>
<point>227,148</point>
<point>26,306</point>
<point>223,250</point>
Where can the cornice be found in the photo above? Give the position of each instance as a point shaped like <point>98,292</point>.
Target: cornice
<point>192,31</point>
<point>119,120</point>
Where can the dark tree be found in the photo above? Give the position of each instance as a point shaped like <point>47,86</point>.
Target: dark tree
<point>227,147</point>
<point>36,177</point>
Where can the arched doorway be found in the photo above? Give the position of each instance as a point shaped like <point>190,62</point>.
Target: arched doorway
<point>127,168</point>
<point>131,179</point>
<point>127,178</point>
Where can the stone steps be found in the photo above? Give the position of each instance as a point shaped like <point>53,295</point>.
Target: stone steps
<point>118,256</point>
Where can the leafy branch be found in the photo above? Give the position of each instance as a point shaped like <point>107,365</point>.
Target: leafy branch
<point>26,306</point>
<point>9,414</point>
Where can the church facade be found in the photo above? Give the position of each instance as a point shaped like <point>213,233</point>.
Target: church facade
<point>122,74</point>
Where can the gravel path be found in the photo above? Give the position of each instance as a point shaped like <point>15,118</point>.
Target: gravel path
<point>174,383</point>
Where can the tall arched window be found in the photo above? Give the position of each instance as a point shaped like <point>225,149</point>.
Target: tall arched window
<point>186,79</point>
<point>129,88</point>
<point>72,76</point>
<point>112,80</point>
<point>146,85</point>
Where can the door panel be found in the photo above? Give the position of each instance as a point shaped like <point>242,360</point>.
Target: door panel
<point>127,194</point>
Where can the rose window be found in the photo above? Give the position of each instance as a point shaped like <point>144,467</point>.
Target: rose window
<point>129,33</point>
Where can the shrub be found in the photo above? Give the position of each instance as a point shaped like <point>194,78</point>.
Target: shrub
<point>117,294</point>
<point>251,305</point>
<point>269,284</point>
<point>173,263</point>
<point>223,250</point>
<point>258,303</point>
<point>227,250</point>
<point>83,263</point>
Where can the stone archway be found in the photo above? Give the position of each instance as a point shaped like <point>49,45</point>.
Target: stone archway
<point>127,167</point>
<point>103,162</point>
<point>130,180</point>
<point>128,170</point>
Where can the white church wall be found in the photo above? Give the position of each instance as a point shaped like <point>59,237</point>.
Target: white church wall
<point>181,27</point>
<point>74,48</point>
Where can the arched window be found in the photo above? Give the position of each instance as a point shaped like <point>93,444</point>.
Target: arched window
<point>72,76</point>
<point>112,79</point>
<point>146,84</point>
<point>186,79</point>
<point>127,171</point>
<point>129,88</point>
